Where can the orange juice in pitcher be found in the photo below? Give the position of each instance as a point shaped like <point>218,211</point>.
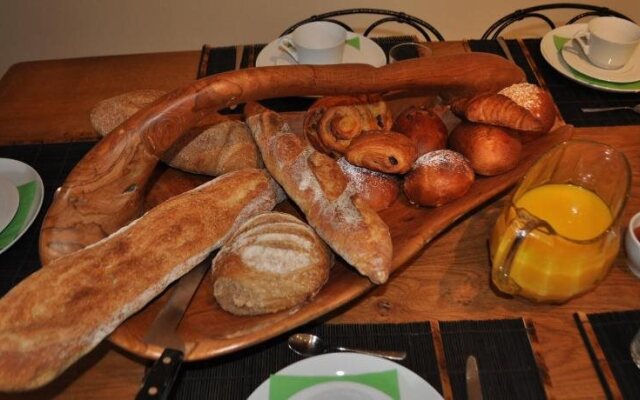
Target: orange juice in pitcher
<point>558,235</point>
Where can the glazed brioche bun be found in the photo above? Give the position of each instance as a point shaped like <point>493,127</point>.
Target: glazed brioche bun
<point>491,150</point>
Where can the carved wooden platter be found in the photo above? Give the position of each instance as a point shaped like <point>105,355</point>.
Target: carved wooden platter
<point>210,331</point>
<point>106,190</point>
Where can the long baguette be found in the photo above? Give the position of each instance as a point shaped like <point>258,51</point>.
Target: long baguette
<point>65,309</point>
<point>315,182</point>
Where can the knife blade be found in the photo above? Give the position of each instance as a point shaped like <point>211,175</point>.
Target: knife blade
<point>474,390</point>
<point>505,48</point>
<point>160,377</point>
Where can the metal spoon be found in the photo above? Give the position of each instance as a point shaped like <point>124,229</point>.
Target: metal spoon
<point>307,345</point>
<point>634,348</point>
<point>635,108</point>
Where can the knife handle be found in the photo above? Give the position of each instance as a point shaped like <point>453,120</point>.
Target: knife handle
<point>161,376</point>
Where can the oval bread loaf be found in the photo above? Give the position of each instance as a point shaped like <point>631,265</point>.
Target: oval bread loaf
<point>272,262</point>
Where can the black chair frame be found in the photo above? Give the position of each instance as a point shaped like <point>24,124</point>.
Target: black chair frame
<point>391,16</point>
<point>533,12</point>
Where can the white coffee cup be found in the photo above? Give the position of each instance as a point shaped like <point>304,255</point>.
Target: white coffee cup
<point>317,42</point>
<point>632,245</point>
<point>609,42</point>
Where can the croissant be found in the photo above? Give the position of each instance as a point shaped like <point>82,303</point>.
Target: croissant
<point>332,122</point>
<point>383,151</point>
<point>524,107</point>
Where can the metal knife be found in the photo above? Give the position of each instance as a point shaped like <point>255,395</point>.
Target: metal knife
<point>163,332</point>
<point>505,48</point>
<point>474,390</point>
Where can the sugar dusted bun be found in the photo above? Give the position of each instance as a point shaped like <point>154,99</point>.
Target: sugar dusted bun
<point>524,107</point>
<point>437,178</point>
<point>272,262</point>
<point>491,150</point>
<point>377,189</point>
<point>424,127</point>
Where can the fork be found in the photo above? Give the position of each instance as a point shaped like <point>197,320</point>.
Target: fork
<point>635,108</point>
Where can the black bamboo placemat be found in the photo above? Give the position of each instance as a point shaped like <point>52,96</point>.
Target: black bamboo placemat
<point>507,366</point>
<point>492,46</point>
<point>53,163</point>
<point>214,60</point>
<point>571,96</point>
<point>613,332</point>
<point>236,376</point>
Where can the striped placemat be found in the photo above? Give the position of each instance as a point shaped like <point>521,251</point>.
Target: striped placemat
<point>607,337</point>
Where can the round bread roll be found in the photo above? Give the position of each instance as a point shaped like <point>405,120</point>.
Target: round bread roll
<point>424,127</point>
<point>437,178</point>
<point>491,150</point>
<point>377,189</point>
<point>111,112</point>
<point>271,263</point>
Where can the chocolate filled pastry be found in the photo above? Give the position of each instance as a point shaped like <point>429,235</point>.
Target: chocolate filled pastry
<point>424,127</point>
<point>383,151</point>
<point>273,262</point>
<point>332,122</point>
<point>377,189</point>
<point>491,150</point>
<point>524,107</point>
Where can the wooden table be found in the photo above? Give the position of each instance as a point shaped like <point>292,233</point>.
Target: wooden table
<point>49,101</point>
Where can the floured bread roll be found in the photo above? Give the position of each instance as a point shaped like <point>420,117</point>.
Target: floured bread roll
<point>272,262</point>
<point>377,189</point>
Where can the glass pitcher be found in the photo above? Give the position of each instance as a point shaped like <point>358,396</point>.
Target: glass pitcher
<point>559,233</point>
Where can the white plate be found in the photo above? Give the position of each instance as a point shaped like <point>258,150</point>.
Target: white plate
<point>9,201</point>
<point>20,173</point>
<point>550,47</point>
<point>369,53</point>
<point>575,57</point>
<point>412,386</point>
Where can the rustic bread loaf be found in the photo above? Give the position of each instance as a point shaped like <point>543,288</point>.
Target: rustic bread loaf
<point>111,112</point>
<point>216,150</point>
<point>314,181</point>
<point>65,309</point>
<point>273,262</point>
<point>221,145</point>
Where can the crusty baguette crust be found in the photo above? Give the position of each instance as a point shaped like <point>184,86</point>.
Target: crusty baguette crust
<point>315,182</point>
<point>65,309</point>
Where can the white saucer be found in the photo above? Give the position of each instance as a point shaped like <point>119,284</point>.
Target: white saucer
<point>369,53</point>
<point>551,46</point>
<point>9,200</point>
<point>20,173</point>
<point>412,386</point>
<point>575,57</point>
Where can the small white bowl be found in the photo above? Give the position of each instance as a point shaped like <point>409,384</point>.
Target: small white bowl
<point>632,245</point>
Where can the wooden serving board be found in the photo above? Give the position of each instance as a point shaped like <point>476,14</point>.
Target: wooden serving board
<point>210,331</point>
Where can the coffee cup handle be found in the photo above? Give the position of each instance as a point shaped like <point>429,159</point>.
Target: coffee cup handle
<point>581,38</point>
<point>286,45</point>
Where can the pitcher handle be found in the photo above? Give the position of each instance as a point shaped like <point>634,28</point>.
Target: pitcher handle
<point>521,232</point>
